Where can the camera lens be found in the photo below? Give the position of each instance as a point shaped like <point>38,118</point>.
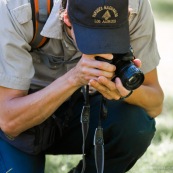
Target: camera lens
<point>131,76</point>
<point>134,79</point>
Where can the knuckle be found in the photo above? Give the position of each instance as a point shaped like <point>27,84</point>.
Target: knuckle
<point>110,75</point>
<point>83,62</point>
<point>99,65</point>
<point>84,70</point>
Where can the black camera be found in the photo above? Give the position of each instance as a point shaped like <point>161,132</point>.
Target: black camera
<point>131,76</point>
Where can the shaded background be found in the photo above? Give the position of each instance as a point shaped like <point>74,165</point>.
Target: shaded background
<point>159,156</point>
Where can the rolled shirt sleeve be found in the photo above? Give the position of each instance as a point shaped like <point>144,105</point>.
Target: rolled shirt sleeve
<point>142,34</point>
<point>16,67</point>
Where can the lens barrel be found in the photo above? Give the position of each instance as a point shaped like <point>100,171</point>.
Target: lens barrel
<point>131,76</point>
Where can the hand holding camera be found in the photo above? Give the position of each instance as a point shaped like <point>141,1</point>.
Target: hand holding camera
<point>131,76</point>
<point>127,74</point>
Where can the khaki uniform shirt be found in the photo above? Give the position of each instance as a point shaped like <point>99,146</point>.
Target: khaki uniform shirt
<point>22,69</point>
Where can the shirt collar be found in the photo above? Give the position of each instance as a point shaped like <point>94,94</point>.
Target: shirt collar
<point>53,25</point>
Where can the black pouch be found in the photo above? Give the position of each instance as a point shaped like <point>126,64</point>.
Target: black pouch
<point>36,139</point>
<point>41,137</point>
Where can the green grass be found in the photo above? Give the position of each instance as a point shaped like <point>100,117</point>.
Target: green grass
<point>157,159</point>
<point>61,164</point>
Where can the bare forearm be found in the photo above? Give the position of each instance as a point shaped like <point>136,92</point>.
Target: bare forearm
<point>21,111</point>
<point>148,97</point>
<point>30,110</point>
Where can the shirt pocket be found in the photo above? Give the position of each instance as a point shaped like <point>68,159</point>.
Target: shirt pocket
<point>22,19</point>
<point>22,13</point>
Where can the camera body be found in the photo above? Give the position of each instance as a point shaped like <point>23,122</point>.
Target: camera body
<point>131,76</point>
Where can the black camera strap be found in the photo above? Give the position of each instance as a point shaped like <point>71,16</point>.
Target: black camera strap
<point>85,115</point>
<point>98,137</point>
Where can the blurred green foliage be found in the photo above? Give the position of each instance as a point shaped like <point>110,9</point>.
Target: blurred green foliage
<point>163,9</point>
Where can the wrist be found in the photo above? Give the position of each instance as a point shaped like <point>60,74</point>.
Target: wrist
<point>128,95</point>
<point>72,79</point>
